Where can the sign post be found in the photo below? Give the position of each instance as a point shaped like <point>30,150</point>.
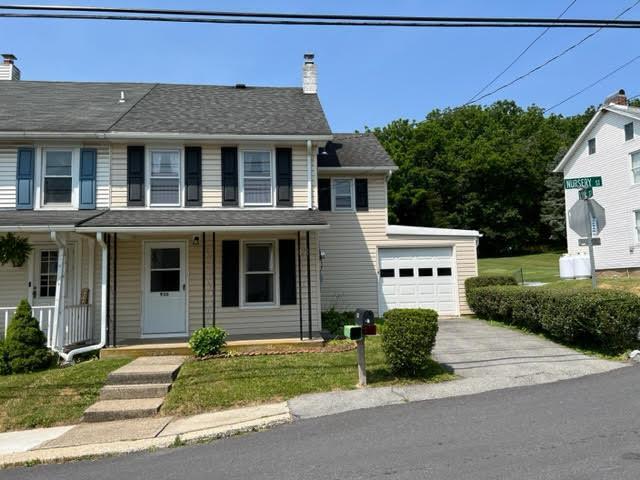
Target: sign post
<point>592,260</point>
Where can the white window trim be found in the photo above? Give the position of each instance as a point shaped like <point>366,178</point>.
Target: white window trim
<point>333,195</point>
<point>39,176</point>
<point>595,143</point>
<point>243,274</point>
<point>272,156</point>
<point>636,228</point>
<point>631,167</point>
<point>147,181</point>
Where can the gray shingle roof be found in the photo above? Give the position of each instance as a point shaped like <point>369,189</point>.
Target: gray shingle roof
<point>43,218</point>
<point>159,108</point>
<point>204,218</point>
<point>355,150</point>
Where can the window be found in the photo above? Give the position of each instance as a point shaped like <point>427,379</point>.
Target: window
<point>635,167</point>
<point>637,215</point>
<point>425,272</point>
<point>257,182</point>
<point>628,132</point>
<point>57,184</point>
<point>592,146</point>
<point>406,272</point>
<point>342,194</point>
<point>164,183</point>
<point>48,273</point>
<point>259,273</point>
<point>444,271</point>
<point>387,272</point>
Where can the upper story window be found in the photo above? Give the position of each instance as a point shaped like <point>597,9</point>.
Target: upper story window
<point>628,131</point>
<point>57,176</point>
<point>343,194</point>
<point>257,178</point>
<point>164,182</point>
<point>592,146</point>
<point>635,167</point>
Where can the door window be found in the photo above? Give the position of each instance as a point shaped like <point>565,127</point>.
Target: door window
<point>48,273</point>
<point>165,270</point>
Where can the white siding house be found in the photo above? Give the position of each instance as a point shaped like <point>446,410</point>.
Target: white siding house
<point>615,130</point>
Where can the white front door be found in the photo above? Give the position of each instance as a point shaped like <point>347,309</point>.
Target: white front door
<point>164,289</point>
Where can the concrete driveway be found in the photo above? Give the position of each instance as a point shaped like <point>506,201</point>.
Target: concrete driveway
<point>498,355</point>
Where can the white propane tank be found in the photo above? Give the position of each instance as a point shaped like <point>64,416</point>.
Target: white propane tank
<point>566,267</point>
<point>581,266</point>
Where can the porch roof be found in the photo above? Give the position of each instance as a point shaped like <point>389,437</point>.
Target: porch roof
<point>44,220</point>
<point>198,220</point>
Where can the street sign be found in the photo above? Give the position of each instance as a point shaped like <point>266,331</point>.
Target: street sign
<point>582,182</point>
<point>585,193</point>
<point>584,223</point>
<point>584,242</point>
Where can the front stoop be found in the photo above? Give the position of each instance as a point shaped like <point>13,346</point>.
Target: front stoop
<point>136,390</point>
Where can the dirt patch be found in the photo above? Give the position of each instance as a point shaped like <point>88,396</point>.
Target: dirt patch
<point>332,347</point>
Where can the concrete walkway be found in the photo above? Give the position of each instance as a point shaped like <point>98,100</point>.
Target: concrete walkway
<point>485,357</point>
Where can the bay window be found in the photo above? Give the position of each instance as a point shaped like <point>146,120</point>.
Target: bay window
<point>257,178</point>
<point>259,273</point>
<point>164,182</point>
<point>57,177</point>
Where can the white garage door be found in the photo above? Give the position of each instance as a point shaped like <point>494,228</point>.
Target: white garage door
<point>417,278</point>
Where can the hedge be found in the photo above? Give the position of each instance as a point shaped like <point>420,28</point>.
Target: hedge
<point>334,321</point>
<point>606,318</point>
<point>488,281</point>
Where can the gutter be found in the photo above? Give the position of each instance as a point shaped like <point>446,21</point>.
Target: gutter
<point>200,229</point>
<point>387,169</point>
<point>59,298</point>
<point>309,175</point>
<point>163,136</point>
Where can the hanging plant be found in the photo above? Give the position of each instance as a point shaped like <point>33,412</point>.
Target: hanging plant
<point>14,249</point>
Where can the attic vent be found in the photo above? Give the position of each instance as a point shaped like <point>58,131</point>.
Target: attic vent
<point>240,85</point>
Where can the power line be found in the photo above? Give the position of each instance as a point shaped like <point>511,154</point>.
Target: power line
<point>520,55</point>
<point>551,60</point>
<point>591,85</point>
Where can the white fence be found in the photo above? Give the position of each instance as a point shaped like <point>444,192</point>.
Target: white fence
<point>78,322</point>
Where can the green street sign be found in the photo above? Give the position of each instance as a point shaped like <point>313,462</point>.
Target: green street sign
<point>585,193</point>
<point>582,182</point>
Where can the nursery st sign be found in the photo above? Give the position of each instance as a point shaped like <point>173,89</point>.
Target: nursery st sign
<point>582,182</point>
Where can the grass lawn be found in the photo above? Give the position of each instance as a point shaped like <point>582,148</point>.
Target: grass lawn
<point>542,267</point>
<point>52,397</point>
<point>227,382</point>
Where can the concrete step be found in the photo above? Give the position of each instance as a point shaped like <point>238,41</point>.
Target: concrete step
<point>107,410</point>
<point>143,373</point>
<point>139,390</point>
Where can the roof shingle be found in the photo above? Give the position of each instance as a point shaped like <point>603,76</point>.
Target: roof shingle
<point>355,150</point>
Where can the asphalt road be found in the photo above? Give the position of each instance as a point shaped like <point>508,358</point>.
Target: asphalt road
<point>586,428</point>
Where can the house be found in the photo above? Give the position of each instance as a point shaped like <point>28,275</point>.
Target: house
<point>156,209</point>
<point>609,147</point>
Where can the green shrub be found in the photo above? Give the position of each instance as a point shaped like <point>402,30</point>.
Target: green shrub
<point>25,346</point>
<point>408,337</point>
<point>5,369</point>
<point>334,321</point>
<point>207,341</point>
<point>488,281</point>
<point>604,318</point>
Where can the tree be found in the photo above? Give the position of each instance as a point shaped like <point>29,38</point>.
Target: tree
<point>552,213</point>
<point>25,347</point>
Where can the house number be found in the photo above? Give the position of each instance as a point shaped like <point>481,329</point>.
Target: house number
<point>164,294</point>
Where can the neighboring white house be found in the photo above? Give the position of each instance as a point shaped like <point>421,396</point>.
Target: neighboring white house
<point>609,147</point>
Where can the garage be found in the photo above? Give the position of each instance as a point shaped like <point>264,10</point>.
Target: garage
<point>421,277</point>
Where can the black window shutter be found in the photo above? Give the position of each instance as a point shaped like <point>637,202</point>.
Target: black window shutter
<point>24,179</point>
<point>284,176</point>
<point>88,164</point>
<point>193,176</point>
<point>229,176</point>
<point>324,194</point>
<point>287,271</point>
<point>230,273</point>
<point>135,176</point>
<point>362,194</point>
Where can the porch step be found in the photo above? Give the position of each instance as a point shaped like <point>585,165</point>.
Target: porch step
<point>138,373</point>
<point>134,391</point>
<point>107,410</point>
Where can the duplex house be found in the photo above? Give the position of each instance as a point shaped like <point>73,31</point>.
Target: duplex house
<point>156,209</point>
<point>609,147</point>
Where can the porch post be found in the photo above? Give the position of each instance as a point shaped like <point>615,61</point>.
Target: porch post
<point>115,285</point>
<point>300,286</point>
<point>214,278</point>
<point>58,311</point>
<point>309,285</point>
<point>204,278</point>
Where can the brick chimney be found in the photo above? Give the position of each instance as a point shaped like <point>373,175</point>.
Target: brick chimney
<point>8,70</point>
<point>618,98</point>
<point>309,75</point>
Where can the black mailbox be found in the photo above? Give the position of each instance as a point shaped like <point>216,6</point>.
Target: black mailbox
<point>364,317</point>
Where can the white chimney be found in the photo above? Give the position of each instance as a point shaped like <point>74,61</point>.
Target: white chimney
<point>8,71</point>
<point>309,75</point>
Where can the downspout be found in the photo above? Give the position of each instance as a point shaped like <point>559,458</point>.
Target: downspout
<point>309,176</point>
<point>58,310</point>
<point>103,306</point>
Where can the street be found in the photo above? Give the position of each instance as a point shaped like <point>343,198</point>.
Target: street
<point>586,428</point>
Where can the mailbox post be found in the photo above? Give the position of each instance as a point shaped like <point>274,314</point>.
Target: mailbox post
<point>365,325</point>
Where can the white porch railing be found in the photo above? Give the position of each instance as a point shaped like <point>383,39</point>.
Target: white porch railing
<point>78,322</point>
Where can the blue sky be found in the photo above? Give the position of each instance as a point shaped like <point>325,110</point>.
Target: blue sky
<point>367,76</point>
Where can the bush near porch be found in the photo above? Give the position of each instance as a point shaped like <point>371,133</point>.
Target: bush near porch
<point>220,383</point>
<point>52,397</point>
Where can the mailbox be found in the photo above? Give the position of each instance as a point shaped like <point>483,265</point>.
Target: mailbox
<point>366,319</point>
<point>353,332</point>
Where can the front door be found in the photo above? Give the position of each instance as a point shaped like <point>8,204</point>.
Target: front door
<point>164,290</point>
